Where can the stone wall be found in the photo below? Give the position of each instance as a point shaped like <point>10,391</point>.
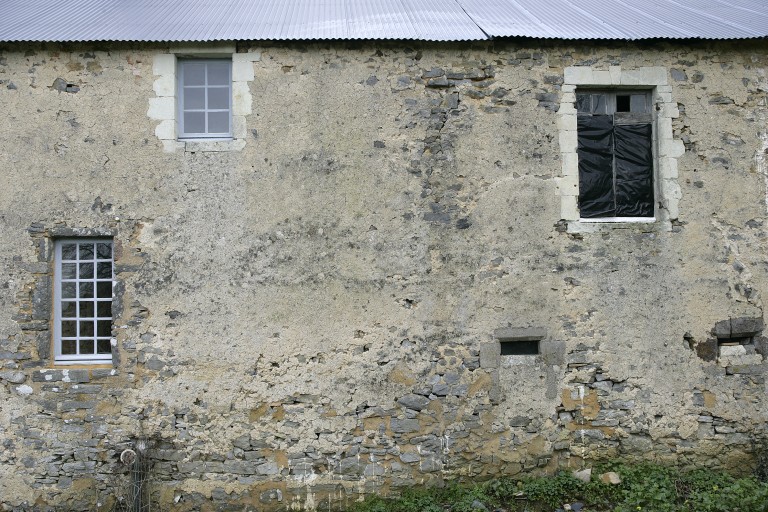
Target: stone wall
<point>316,312</point>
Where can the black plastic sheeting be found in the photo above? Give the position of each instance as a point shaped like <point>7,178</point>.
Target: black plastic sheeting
<point>615,168</point>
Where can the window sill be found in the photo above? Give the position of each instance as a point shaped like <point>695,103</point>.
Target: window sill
<point>204,145</point>
<point>600,225</point>
<point>625,220</point>
<point>106,363</point>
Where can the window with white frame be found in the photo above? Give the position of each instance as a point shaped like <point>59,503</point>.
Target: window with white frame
<point>83,300</point>
<point>615,151</point>
<point>204,98</point>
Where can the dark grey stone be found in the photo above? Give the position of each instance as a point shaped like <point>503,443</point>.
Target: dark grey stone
<point>373,470</point>
<point>622,404</point>
<point>761,345</point>
<point>415,402</point>
<point>11,86</point>
<point>404,426</point>
<point>410,457</point>
<point>191,467</point>
<point>439,82</point>
<point>678,75</point>
<point>720,100</point>
<point>75,405</point>
<point>433,73</point>
<point>520,333</point>
<point>88,389</point>
<point>41,298</point>
<point>430,465</point>
<point>14,377</point>
<point>43,341</point>
<point>441,389</point>
<point>743,327</point>
<point>154,363</point>
<point>47,376</point>
<point>350,466</point>
<point>243,442</point>
<point>99,373</point>
<point>38,325</point>
<point>747,369</point>
<point>519,421</point>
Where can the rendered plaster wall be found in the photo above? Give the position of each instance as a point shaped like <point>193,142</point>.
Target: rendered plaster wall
<point>314,313</point>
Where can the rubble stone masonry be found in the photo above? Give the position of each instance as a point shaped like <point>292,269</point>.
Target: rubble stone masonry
<point>317,309</point>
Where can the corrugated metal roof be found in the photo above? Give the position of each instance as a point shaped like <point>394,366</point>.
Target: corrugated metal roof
<point>429,20</point>
<point>621,19</point>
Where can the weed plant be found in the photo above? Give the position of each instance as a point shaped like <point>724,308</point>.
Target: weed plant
<point>643,488</point>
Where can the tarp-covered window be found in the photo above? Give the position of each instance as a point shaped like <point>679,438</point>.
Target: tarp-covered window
<point>615,136</point>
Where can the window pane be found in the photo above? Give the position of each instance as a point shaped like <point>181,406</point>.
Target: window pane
<point>104,251</point>
<point>218,97</point>
<point>104,309</point>
<point>86,290</point>
<point>104,328</point>
<point>68,270</point>
<point>86,328</point>
<point>68,252</point>
<point>103,347</point>
<point>68,347</point>
<point>86,346</point>
<point>86,309</point>
<point>194,122</point>
<point>69,328</point>
<point>583,103</point>
<point>194,73</point>
<point>218,73</point>
<point>86,271</point>
<point>638,103</point>
<point>218,122</point>
<point>104,289</point>
<point>68,309</point>
<point>104,270</point>
<point>86,251</point>
<point>194,98</point>
<point>599,104</point>
<point>68,290</point>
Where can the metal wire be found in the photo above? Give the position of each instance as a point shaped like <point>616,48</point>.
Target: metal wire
<point>137,496</point>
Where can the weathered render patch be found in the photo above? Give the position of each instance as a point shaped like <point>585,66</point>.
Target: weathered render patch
<point>319,313</point>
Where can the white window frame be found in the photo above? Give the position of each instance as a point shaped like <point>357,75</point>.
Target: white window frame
<point>666,148</point>
<point>183,86</point>
<point>74,315</point>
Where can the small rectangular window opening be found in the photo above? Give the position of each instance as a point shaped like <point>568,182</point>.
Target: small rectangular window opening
<point>725,342</point>
<point>519,348</point>
<point>622,103</point>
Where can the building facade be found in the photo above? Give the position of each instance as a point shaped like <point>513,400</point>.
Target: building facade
<point>303,272</point>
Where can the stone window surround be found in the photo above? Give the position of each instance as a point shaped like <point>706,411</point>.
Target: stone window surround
<point>163,107</point>
<point>666,148</point>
